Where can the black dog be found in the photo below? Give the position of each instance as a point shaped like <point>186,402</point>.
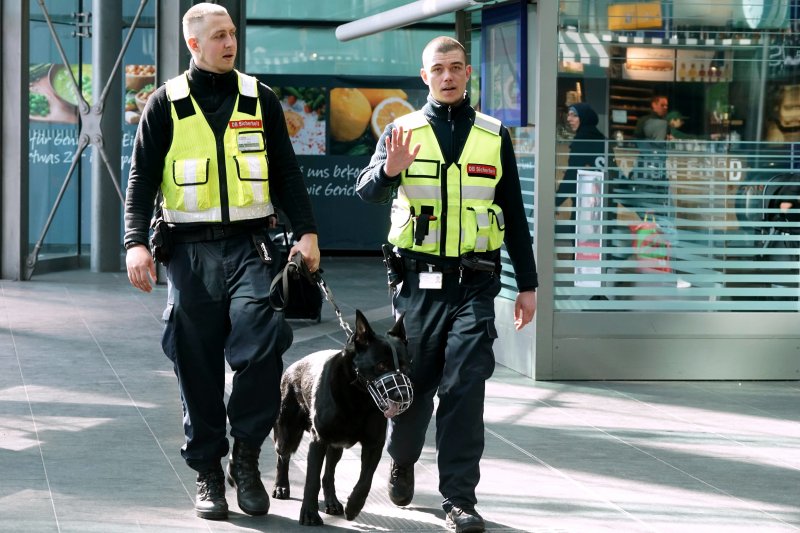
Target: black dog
<point>330,394</point>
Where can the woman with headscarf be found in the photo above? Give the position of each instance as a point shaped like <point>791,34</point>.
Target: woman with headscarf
<point>587,150</point>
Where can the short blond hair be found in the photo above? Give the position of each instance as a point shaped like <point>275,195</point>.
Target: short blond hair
<point>195,16</point>
<point>442,45</point>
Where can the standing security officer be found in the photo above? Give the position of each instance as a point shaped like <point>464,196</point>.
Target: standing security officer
<point>457,200</point>
<point>215,142</point>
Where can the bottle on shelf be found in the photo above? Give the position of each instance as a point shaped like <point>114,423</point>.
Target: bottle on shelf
<point>682,72</point>
<point>692,73</point>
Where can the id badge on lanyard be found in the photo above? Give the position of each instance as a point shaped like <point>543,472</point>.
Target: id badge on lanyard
<point>430,280</point>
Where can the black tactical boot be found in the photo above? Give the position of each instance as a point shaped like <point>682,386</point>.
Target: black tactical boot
<point>210,502</point>
<point>244,475</point>
<point>401,484</point>
<point>465,520</point>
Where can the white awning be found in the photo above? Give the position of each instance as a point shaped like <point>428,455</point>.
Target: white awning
<point>401,16</point>
<point>585,48</point>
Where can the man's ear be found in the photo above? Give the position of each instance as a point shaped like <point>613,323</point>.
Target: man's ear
<point>469,71</point>
<point>424,75</point>
<point>192,43</point>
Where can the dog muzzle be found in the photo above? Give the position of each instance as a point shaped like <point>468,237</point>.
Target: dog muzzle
<point>392,393</point>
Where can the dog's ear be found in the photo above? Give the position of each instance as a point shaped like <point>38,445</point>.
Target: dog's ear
<point>399,329</point>
<point>364,333</point>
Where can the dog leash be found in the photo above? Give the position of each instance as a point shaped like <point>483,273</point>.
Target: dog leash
<point>295,268</point>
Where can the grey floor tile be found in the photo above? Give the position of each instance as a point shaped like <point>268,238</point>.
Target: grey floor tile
<point>90,432</point>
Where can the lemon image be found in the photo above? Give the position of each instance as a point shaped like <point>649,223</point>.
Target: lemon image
<point>349,115</point>
<point>386,111</point>
<point>376,96</point>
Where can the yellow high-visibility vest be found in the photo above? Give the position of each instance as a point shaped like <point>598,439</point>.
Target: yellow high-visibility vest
<point>449,211</point>
<point>190,183</point>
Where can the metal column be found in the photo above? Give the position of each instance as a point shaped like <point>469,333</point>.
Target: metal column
<point>14,60</point>
<point>172,56</point>
<point>106,212</point>
<point>544,36</point>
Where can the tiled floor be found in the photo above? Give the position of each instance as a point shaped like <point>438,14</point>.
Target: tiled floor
<point>90,428</point>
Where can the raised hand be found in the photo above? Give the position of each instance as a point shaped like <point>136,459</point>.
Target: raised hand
<point>399,154</point>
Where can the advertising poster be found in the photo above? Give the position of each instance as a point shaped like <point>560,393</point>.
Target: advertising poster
<point>504,64</point>
<point>52,96</point>
<point>708,66</point>
<point>304,111</point>
<point>649,64</point>
<point>54,130</point>
<point>588,225</point>
<point>359,115</point>
<point>140,83</point>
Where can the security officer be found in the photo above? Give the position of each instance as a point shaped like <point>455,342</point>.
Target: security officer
<point>457,200</point>
<point>215,142</point>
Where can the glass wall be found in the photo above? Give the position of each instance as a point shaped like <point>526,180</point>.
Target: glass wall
<point>62,229</point>
<point>677,152</point>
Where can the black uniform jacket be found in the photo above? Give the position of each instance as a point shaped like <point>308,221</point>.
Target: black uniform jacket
<point>451,125</point>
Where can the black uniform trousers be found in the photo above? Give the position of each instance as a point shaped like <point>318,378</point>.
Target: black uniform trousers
<point>450,336</point>
<point>217,310</point>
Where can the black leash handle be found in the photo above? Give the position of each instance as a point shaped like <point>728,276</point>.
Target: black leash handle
<point>295,268</point>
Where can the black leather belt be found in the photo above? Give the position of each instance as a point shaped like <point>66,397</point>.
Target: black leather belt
<point>213,232</point>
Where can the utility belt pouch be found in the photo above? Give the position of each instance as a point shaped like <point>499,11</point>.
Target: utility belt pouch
<point>478,264</point>
<point>394,266</point>
<point>160,241</point>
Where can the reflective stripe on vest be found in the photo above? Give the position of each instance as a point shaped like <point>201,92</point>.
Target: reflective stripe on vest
<point>449,211</point>
<point>191,179</point>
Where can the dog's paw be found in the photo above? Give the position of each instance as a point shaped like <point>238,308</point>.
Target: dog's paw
<point>333,507</point>
<point>309,518</point>
<point>353,509</point>
<point>280,493</point>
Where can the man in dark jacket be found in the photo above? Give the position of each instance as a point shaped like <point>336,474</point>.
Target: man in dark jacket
<point>458,199</point>
<point>214,143</point>
<point>653,125</point>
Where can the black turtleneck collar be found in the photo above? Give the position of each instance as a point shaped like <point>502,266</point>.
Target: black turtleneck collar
<point>203,79</point>
<point>212,91</point>
<point>440,110</point>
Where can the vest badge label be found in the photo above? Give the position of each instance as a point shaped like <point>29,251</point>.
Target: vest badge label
<point>486,171</point>
<point>237,124</point>
<point>251,141</point>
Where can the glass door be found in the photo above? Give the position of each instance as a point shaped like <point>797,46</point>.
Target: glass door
<point>59,184</point>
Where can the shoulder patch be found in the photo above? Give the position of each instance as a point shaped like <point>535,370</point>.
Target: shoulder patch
<point>485,122</point>
<point>411,121</point>
<point>177,87</point>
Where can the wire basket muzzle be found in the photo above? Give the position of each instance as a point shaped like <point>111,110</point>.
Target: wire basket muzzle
<point>392,392</point>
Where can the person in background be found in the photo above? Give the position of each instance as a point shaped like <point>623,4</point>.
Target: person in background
<point>783,123</point>
<point>675,122</point>
<point>214,143</point>
<point>650,174</point>
<point>653,125</point>
<point>458,199</point>
<point>587,150</point>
